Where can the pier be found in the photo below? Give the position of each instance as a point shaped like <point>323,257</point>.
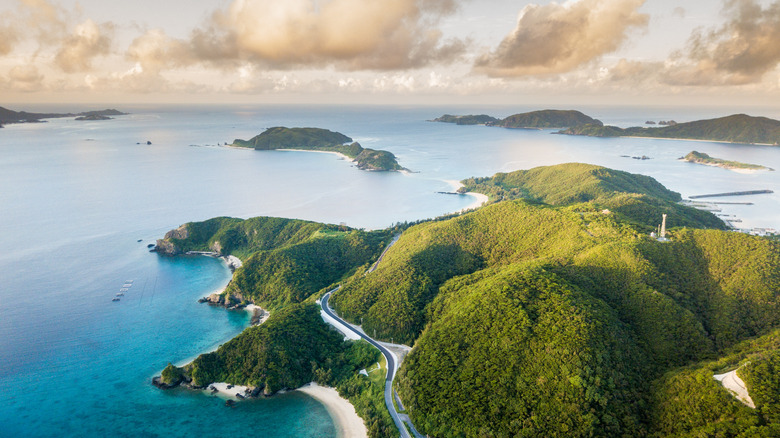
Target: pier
<point>744,193</point>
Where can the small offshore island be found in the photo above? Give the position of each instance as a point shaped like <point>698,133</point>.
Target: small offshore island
<point>552,301</point>
<point>705,159</point>
<point>321,140</point>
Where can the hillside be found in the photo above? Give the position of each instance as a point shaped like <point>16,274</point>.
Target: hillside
<point>636,198</point>
<point>540,315</point>
<point>738,128</point>
<point>317,139</point>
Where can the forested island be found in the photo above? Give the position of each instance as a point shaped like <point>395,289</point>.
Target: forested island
<point>10,116</point>
<point>544,119</point>
<point>738,128</point>
<point>317,139</point>
<point>549,312</point>
<point>702,158</point>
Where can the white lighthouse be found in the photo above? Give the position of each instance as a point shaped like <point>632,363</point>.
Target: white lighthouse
<point>662,233</point>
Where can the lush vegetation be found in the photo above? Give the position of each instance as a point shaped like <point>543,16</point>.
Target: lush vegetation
<point>738,128</point>
<point>295,347</point>
<point>317,139</point>
<point>285,260</point>
<point>635,198</point>
<point>702,158</point>
<point>481,119</point>
<point>551,313</point>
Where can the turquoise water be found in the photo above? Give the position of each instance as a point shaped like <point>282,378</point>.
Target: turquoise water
<point>75,198</point>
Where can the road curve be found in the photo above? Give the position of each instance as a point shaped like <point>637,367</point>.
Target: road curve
<point>390,364</point>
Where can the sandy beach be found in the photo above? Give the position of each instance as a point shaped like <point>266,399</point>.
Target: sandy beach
<point>478,202</point>
<point>318,152</point>
<point>348,424</point>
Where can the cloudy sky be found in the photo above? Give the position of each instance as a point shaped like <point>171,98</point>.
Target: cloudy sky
<point>391,51</point>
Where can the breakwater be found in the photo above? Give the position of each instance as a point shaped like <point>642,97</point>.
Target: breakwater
<point>743,193</point>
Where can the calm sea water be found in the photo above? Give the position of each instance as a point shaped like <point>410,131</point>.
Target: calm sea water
<point>75,198</point>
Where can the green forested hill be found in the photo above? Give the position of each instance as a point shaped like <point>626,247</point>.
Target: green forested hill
<point>637,198</point>
<point>737,128</point>
<point>547,119</point>
<point>318,139</point>
<point>550,313</point>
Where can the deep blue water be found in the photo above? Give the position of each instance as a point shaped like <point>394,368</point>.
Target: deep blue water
<point>75,198</point>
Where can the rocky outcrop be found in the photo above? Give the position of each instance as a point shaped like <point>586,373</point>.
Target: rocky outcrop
<point>166,247</point>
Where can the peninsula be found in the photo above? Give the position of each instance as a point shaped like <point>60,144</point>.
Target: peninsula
<point>321,140</point>
<point>549,312</point>
<point>702,158</point>
<point>544,119</point>
<point>737,128</point>
<point>10,116</point>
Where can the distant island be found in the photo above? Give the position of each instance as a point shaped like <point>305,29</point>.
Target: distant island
<point>544,119</point>
<point>93,117</point>
<point>321,140</point>
<point>737,128</point>
<point>702,158</point>
<point>481,119</point>
<point>11,116</point>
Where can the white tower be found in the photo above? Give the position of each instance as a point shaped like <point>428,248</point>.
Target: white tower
<point>663,226</point>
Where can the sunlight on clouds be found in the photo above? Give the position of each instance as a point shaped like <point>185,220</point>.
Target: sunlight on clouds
<point>87,41</point>
<point>558,38</point>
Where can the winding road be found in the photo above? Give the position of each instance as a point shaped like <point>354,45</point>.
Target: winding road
<point>391,364</point>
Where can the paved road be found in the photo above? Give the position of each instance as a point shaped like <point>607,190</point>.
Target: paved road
<point>390,364</point>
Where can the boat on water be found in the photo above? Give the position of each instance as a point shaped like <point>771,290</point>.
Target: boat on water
<point>124,289</point>
<point>115,299</point>
<point>127,285</point>
<point>120,294</point>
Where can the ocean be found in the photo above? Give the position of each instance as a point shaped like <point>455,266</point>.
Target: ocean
<point>81,200</point>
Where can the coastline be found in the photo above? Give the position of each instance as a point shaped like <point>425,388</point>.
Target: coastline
<point>699,140</point>
<point>318,152</point>
<point>479,201</point>
<point>345,418</point>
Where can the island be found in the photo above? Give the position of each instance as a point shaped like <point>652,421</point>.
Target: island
<point>702,158</point>
<point>10,116</point>
<point>544,119</point>
<point>481,119</point>
<point>737,128</point>
<point>322,140</point>
<point>93,117</point>
<point>551,311</point>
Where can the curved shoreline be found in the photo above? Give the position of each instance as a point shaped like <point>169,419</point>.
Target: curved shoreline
<point>345,419</point>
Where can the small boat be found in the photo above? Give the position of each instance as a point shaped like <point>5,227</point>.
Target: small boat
<point>115,299</point>
<point>129,281</point>
<point>127,285</point>
<point>120,294</point>
<point>124,289</point>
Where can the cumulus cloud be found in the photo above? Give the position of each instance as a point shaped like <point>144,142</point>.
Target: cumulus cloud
<point>740,52</point>
<point>350,34</point>
<point>557,38</point>
<point>87,41</point>
<point>25,78</point>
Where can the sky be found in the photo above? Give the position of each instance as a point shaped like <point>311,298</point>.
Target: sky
<point>636,52</point>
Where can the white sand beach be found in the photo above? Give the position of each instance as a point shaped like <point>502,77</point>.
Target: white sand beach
<point>224,391</point>
<point>344,157</point>
<point>478,202</point>
<point>348,423</point>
